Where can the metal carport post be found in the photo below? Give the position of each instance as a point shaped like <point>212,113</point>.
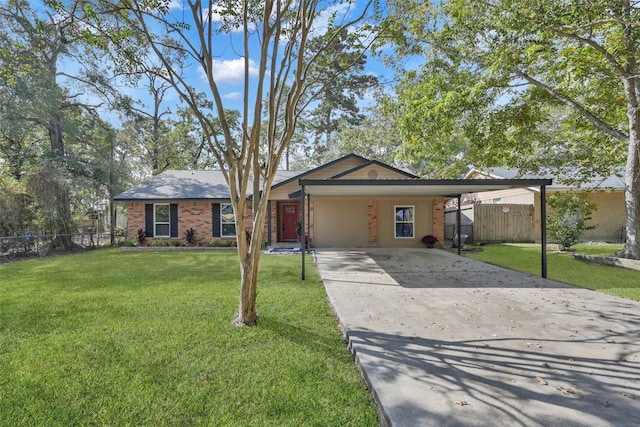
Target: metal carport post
<point>543,228</point>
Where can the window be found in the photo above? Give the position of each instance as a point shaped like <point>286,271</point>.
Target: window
<point>227,220</point>
<point>404,221</point>
<point>161,221</point>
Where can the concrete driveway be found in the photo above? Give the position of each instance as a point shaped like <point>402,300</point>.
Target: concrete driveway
<point>444,340</point>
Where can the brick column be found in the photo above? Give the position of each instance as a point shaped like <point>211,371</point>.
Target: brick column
<point>437,228</point>
<point>135,219</point>
<point>372,218</point>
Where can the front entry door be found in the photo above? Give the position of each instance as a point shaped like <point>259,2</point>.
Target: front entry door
<point>289,221</point>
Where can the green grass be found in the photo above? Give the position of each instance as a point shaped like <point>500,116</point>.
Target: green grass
<point>564,268</point>
<point>145,338</point>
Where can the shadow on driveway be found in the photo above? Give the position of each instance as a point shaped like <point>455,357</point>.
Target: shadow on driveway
<point>444,340</point>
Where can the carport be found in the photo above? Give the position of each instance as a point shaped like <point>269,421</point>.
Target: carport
<point>447,188</point>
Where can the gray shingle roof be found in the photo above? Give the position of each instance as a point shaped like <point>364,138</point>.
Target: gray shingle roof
<point>615,181</point>
<point>188,185</point>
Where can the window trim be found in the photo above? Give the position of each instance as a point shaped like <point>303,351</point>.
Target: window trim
<point>156,223</point>
<point>412,222</point>
<point>222,222</point>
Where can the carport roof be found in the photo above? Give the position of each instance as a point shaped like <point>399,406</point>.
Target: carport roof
<point>412,187</point>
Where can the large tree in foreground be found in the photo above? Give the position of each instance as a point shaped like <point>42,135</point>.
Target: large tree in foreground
<point>273,43</point>
<point>527,83</point>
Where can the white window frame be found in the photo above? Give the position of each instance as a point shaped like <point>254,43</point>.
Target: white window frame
<point>156,223</point>
<point>412,222</point>
<point>223,223</point>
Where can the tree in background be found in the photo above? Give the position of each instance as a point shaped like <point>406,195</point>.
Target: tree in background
<point>46,121</point>
<point>281,42</point>
<point>341,70</point>
<point>525,84</point>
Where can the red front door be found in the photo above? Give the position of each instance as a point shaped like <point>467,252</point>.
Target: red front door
<point>289,221</point>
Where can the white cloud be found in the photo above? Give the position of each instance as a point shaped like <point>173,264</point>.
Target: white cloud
<point>231,70</point>
<point>233,95</point>
<point>339,12</point>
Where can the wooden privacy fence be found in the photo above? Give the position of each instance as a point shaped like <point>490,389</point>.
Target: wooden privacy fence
<point>504,223</point>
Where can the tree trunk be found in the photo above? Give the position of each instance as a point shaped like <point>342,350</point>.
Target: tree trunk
<point>63,218</point>
<point>247,311</point>
<point>249,247</point>
<point>632,184</point>
<point>249,251</point>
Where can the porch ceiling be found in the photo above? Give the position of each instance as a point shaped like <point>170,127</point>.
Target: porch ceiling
<point>412,187</point>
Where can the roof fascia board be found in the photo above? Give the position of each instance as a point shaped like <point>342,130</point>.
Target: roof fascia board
<point>177,199</point>
<point>452,182</point>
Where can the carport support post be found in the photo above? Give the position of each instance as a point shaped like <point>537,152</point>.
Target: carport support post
<point>543,228</point>
<point>303,244</point>
<point>459,227</point>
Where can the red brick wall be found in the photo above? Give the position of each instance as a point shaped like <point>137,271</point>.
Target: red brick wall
<point>135,219</point>
<point>191,214</point>
<point>198,215</point>
<point>438,219</point>
<point>373,223</point>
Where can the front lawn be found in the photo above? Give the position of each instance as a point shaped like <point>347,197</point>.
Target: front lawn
<point>564,268</point>
<point>145,338</point>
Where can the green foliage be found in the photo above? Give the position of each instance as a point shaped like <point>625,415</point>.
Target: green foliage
<point>190,236</point>
<point>212,243</point>
<point>176,243</point>
<point>521,84</point>
<point>141,235</point>
<point>52,139</point>
<point>149,341</point>
<point>129,244</point>
<point>569,218</point>
<point>341,70</point>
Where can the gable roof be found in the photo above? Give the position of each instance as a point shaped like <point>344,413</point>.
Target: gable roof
<point>319,168</point>
<point>615,181</point>
<point>374,163</point>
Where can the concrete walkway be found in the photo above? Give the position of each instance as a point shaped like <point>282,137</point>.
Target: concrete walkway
<point>444,340</point>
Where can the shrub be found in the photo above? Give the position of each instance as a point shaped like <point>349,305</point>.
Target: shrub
<point>159,242</point>
<point>129,244</point>
<point>212,243</point>
<point>175,243</point>
<point>119,231</point>
<point>190,236</point>
<point>568,219</point>
<point>142,234</point>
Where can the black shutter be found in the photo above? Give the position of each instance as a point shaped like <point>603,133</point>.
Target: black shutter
<point>216,219</point>
<point>173,218</point>
<point>148,219</point>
